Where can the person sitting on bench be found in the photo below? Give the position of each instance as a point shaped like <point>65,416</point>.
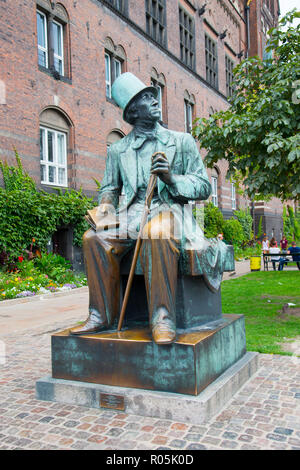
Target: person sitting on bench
<point>272,251</point>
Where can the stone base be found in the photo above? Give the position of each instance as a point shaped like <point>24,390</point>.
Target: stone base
<point>130,358</point>
<point>164,405</point>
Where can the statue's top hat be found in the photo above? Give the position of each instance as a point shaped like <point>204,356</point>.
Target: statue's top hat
<point>126,88</point>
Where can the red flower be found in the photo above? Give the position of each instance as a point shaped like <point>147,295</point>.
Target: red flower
<point>20,258</point>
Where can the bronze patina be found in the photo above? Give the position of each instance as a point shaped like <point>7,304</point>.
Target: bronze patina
<point>169,231</point>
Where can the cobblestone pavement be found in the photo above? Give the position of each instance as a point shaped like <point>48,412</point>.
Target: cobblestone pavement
<point>264,414</point>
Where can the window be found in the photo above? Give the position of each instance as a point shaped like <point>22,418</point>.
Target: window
<point>229,66</point>
<point>42,39</point>
<point>233,197</point>
<point>156,20</point>
<point>53,157</point>
<point>53,51</point>
<point>115,64</point>
<point>58,47</point>
<point>159,96</point>
<point>211,61</point>
<point>114,136</point>
<point>56,143</point>
<point>214,187</point>
<point>214,194</point>
<point>159,82</point>
<point>187,38</point>
<point>113,68</point>
<point>118,4</point>
<point>189,111</point>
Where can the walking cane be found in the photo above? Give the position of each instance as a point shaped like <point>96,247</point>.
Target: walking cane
<point>149,195</point>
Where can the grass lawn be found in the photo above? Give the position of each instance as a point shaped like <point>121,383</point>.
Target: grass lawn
<point>260,296</point>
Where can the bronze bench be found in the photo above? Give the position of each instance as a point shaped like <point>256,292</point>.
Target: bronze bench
<point>196,304</point>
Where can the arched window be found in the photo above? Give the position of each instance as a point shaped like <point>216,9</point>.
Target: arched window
<point>53,38</point>
<point>114,136</point>
<point>115,64</point>
<point>159,82</point>
<point>54,138</point>
<point>189,111</point>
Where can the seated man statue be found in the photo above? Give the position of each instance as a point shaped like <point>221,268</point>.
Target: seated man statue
<point>174,158</point>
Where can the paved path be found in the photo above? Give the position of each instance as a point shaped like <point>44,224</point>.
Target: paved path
<point>264,414</point>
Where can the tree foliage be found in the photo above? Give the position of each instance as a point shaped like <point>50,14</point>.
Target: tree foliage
<point>258,134</point>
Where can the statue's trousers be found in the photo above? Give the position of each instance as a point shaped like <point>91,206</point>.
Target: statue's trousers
<point>159,255</point>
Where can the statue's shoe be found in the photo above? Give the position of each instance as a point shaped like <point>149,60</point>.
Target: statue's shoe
<point>163,334</point>
<point>93,324</point>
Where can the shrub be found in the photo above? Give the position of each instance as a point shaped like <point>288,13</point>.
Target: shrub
<point>246,221</point>
<point>233,232</point>
<point>259,229</point>
<point>213,221</point>
<point>26,213</point>
<point>291,223</point>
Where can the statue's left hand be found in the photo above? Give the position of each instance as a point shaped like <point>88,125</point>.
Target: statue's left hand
<point>160,167</point>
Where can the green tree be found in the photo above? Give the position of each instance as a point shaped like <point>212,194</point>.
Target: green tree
<point>258,134</point>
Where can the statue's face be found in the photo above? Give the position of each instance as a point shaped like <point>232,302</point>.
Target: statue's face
<point>147,107</point>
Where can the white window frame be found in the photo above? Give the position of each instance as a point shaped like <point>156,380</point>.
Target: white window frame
<point>117,72</point>
<point>188,116</point>
<point>233,197</point>
<point>107,72</point>
<point>41,48</point>
<point>55,164</point>
<point>56,56</point>
<point>214,193</point>
<point>110,62</point>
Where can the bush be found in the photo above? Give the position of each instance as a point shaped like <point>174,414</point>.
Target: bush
<point>233,232</point>
<point>57,267</point>
<point>291,223</point>
<point>26,213</point>
<point>213,221</point>
<point>246,221</point>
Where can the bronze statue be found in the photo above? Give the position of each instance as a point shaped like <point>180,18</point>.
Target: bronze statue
<point>181,177</point>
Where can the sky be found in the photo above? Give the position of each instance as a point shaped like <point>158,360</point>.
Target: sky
<point>287,5</point>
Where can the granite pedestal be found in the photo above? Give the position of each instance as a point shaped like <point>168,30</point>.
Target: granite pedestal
<point>165,405</point>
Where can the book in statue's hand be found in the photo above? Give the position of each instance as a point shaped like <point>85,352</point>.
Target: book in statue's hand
<point>98,221</point>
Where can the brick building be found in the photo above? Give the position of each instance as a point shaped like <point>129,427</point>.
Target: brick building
<point>58,61</point>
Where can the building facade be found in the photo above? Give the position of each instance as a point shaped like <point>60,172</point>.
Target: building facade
<point>59,59</point>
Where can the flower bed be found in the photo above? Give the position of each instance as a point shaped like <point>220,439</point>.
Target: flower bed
<point>27,279</point>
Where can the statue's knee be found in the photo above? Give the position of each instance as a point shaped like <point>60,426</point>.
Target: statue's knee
<point>88,236</point>
<point>157,230</point>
